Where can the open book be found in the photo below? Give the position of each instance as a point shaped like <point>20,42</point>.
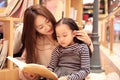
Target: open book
<point>34,68</point>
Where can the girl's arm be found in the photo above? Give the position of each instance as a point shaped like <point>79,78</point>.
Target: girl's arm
<point>85,65</point>
<point>54,60</point>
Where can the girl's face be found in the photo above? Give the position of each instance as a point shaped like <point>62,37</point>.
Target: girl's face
<point>64,35</point>
<point>43,25</point>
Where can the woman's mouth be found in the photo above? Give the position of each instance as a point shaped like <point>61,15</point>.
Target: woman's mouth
<point>50,30</point>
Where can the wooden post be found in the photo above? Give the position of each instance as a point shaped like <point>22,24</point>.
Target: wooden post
<point>111,34</point>
<point>78,5</point>
<point>36,1</point>
<point>67,8</point>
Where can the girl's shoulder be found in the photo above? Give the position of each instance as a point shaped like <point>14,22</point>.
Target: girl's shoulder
<point>84,48</point>
<point>82,45</point>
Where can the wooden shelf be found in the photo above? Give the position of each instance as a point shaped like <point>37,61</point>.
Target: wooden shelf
<point>78,5</point>
<point>8,28</point>
<point>9,74</point>
<point>106,10</point>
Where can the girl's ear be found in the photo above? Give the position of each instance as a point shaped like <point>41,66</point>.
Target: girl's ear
<point>74,33</point>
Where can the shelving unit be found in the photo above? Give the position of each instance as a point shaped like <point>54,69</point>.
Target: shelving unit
<point>11,73</point>
<point>78,5</point>
<point>101,16</point>
<point>37,1</point>
<point>8,27</point>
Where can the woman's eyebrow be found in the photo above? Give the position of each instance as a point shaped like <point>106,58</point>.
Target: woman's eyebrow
<point>46,20</point>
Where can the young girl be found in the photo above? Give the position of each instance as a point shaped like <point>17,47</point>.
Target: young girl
<point>70,60</point>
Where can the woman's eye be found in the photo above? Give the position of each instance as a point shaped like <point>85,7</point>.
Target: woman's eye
<point>47,21</point>
<point>40,27</point>
<point>64,35</point>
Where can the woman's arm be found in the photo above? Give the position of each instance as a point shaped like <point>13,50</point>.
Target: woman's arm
<point>83,36</point>
<point>23,56</point>
<point>17,44</point>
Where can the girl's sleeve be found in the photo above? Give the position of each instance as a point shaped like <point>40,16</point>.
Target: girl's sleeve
<point>85,64</point>
<point>54,59</point>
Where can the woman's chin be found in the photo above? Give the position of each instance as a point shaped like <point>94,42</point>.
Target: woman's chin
<point>49,33</point>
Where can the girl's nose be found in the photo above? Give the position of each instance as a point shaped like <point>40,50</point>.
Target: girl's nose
<point>61,39</point>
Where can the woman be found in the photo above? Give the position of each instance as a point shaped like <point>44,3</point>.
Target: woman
<point>37,38</point>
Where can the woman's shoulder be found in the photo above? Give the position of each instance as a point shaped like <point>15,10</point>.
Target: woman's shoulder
<point>20,27</point>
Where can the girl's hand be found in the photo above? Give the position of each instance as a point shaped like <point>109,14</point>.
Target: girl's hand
<point>28,76</point>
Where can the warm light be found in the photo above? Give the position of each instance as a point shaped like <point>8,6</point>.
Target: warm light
<point>87,1</point>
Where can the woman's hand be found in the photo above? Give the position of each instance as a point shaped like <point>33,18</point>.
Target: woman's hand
<point>63,78</point>
<point>28,76</point>
<point>83,36</point>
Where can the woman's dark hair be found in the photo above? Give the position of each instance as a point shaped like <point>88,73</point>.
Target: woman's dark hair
<point>72,25</point>
<point>29,34</point>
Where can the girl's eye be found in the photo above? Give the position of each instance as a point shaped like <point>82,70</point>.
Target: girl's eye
<point>57,36</point>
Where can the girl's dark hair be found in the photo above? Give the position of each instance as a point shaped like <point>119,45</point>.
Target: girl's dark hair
<point>29,34</point>
<point>72,25</point>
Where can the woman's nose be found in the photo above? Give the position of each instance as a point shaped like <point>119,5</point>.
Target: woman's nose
<point>47,27</point>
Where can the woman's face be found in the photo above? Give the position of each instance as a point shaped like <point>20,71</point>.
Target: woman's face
<point>43,25</point>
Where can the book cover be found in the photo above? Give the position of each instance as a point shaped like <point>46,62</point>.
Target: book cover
<point>23,8</point>
<point>9,8</point>
<point>1,45</point>
<point>3,54</point>
<point>34,68</point>
<point>15,11</point>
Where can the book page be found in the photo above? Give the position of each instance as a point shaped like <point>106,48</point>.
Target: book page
<point>19,63</point>
<point>34,68</point>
